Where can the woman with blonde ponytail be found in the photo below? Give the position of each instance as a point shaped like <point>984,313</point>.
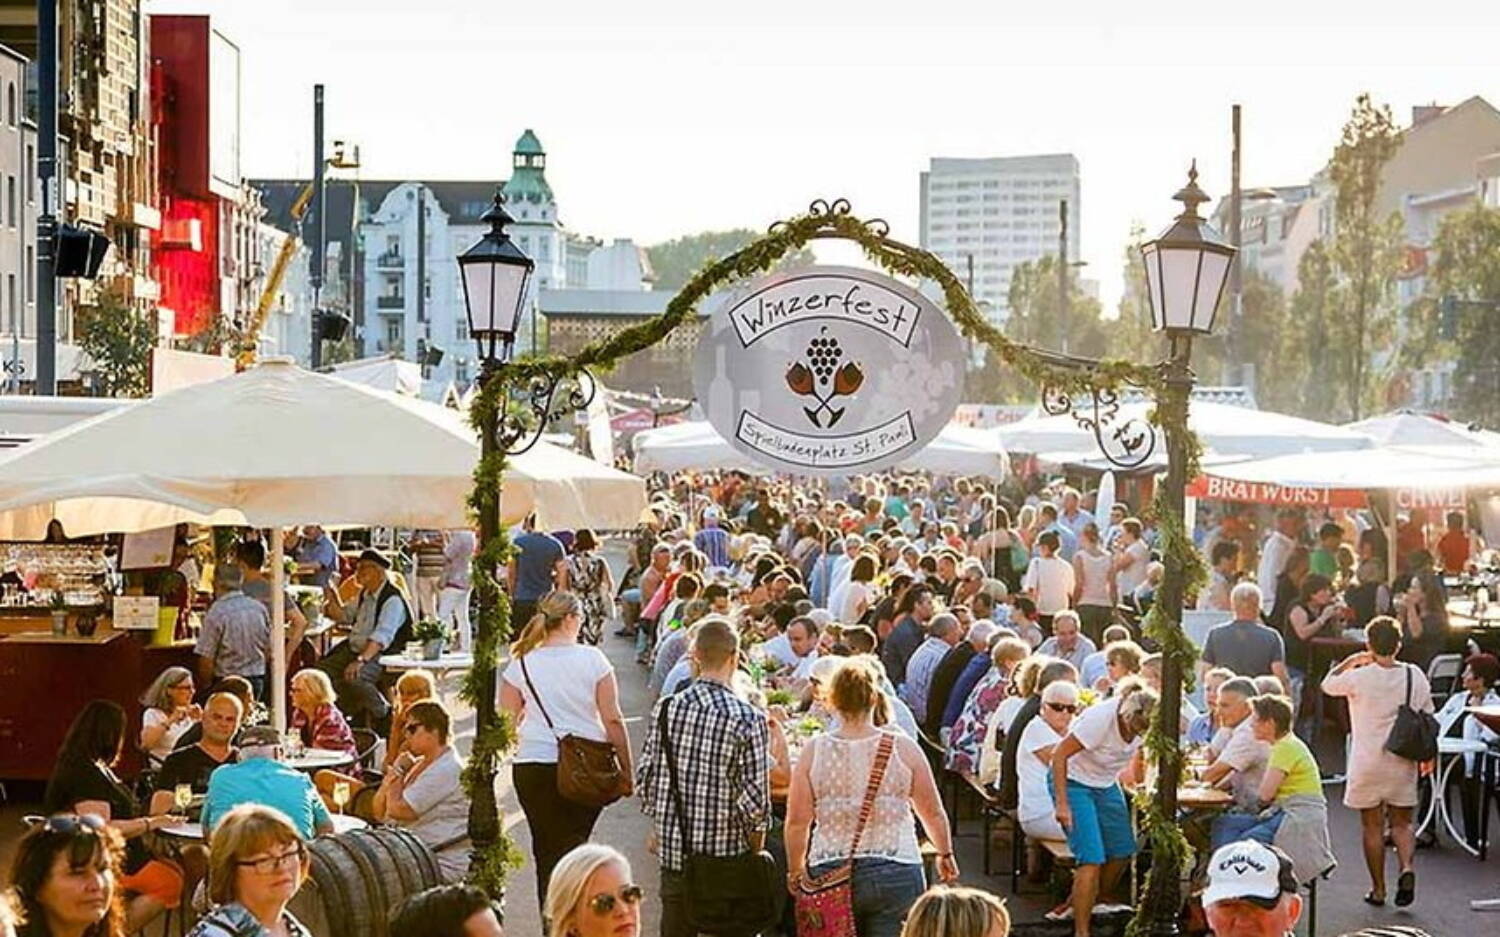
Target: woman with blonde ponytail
<point>553,687</point>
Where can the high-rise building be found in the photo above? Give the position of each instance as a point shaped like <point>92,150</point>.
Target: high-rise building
<point>985,217</point>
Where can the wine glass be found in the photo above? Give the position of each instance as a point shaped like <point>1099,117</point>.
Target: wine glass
<point>182,796</point>
<point>341,794</point>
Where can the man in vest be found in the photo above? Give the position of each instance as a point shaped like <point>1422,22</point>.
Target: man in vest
<point>378,617</point>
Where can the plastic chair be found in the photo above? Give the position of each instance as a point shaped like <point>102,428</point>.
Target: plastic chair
<point>1442,674</point>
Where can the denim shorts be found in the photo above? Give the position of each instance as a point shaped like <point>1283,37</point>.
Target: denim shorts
<point>1101,823</point>
<point>884,890</point>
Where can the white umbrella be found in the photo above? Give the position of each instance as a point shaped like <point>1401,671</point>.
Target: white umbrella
<point>385,373</point>
<point>1405,428</point>
<point>277,445</point>
<point>957,450</point>
<point>1224,430</point>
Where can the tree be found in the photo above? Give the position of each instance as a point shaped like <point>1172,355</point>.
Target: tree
<point>1310,362</point>
<point>676,261</point>
<point>1130,334</point>
<point>1366,247</point>
<point>1033,319</point>
<point>1466,272</point>
<point>118,340</point>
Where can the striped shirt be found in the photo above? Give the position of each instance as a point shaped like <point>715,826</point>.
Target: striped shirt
<point>721,748</point>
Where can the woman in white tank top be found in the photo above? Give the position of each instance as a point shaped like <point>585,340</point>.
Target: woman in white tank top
<point>829,786</point>
<point>1094,592</point>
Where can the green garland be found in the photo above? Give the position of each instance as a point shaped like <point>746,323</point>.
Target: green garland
<point>492,630</point>
<point>823,221</point>
<point>1168,844</point>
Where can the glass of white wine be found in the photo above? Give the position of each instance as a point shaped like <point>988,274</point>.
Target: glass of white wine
<point>341,794</point>
<point>182,796</point>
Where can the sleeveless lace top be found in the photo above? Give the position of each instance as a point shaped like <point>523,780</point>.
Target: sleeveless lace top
<point>840,774</point>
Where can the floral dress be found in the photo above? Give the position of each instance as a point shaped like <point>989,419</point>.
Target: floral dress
<point>586,575</point>
<point>967,735</point>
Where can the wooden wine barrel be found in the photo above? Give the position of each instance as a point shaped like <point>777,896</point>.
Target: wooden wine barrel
<point>357,878</point>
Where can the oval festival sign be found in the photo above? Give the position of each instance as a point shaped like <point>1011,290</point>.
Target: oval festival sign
<point>829,370</point>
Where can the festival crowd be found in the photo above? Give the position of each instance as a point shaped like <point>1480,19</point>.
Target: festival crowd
<point>826,659</point>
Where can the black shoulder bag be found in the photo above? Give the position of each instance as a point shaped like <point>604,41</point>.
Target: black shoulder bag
<point>1414,734</point>
<point>726,896</point>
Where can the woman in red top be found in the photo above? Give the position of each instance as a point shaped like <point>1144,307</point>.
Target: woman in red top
<point>316,717</point>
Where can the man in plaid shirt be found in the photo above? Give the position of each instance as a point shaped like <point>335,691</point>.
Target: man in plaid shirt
<point>721,748</point>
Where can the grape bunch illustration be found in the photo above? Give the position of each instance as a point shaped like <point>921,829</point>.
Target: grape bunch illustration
<point>823,378</point>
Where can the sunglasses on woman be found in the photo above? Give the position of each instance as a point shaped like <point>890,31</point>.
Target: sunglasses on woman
<point>604,902</point>
<point>69,823</point>
<point>267,865</point>
<point>1062,707</point>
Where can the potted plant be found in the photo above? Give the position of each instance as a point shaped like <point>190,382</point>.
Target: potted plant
<point>59,607</point>
<point>433,634</point>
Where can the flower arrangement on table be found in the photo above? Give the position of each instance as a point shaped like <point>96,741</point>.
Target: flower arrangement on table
<point>429,629</point>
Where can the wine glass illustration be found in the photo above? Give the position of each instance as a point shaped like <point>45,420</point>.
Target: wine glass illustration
<point>823,378</point>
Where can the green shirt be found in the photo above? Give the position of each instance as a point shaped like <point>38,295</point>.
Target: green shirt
<point>1291,755</point>
<point>1323,562</point>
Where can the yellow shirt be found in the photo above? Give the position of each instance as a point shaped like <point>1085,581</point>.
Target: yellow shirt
<point>1292,756</point>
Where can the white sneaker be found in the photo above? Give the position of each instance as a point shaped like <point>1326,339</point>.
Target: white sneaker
<point>1112,908</point>
<point>1060,913</point>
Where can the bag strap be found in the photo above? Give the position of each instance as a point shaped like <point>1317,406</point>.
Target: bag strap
<point>1408,686</point>
<point>534,695</point>
<point>665,737</point>
<point>877,775</point>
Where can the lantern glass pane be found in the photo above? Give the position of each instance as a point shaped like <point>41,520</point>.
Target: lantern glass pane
<point>478,295</point>
<point>509,281</point>
<point>1179,274</point>
<point>1152,257</point>
<point>1210,287</point>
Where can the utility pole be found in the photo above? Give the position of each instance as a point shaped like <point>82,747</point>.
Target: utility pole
<point>1062,274</point>
<point>422,323</point>
<point>319,230</point>
<point>46,222</point>
<point>1233,366</point>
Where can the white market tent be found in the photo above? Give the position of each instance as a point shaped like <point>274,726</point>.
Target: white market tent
<point>276,446</point>
<point>385,373</point>
<point>957,450</point>
<point>1406,428</point>
<point>1227,432</point>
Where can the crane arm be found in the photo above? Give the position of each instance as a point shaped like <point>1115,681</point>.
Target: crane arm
<point>251,341</point>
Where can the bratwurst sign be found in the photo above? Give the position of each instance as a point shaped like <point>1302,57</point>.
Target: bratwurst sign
<point>829,370</point>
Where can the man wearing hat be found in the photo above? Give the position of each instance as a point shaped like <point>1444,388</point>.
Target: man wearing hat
<point>1252,892</point>
<point>378,619</point>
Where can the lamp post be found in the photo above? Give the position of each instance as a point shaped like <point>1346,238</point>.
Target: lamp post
<point>495,273</point>
<point>1186,269</point>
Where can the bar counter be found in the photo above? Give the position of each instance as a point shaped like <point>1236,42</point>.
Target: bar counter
<point>45,680</point>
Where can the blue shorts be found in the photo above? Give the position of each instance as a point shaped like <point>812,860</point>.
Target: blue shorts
<point>1101,823</point>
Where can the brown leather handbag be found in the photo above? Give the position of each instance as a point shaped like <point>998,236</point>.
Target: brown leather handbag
<point>588,772</point>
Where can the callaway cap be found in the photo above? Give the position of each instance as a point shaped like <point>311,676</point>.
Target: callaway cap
<point>1249,871</point>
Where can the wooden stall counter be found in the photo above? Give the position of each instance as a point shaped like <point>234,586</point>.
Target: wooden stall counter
<point>45,680</point>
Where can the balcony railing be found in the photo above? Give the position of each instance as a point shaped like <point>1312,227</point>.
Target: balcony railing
<point>390,261</point>
<point>390,302</point>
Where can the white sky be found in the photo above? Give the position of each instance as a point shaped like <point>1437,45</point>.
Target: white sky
<point>667,117</point>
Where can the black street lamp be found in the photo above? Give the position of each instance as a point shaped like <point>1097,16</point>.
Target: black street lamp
<point>1186,269</point>
<point>495,277</point>
<point>495,273</point>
